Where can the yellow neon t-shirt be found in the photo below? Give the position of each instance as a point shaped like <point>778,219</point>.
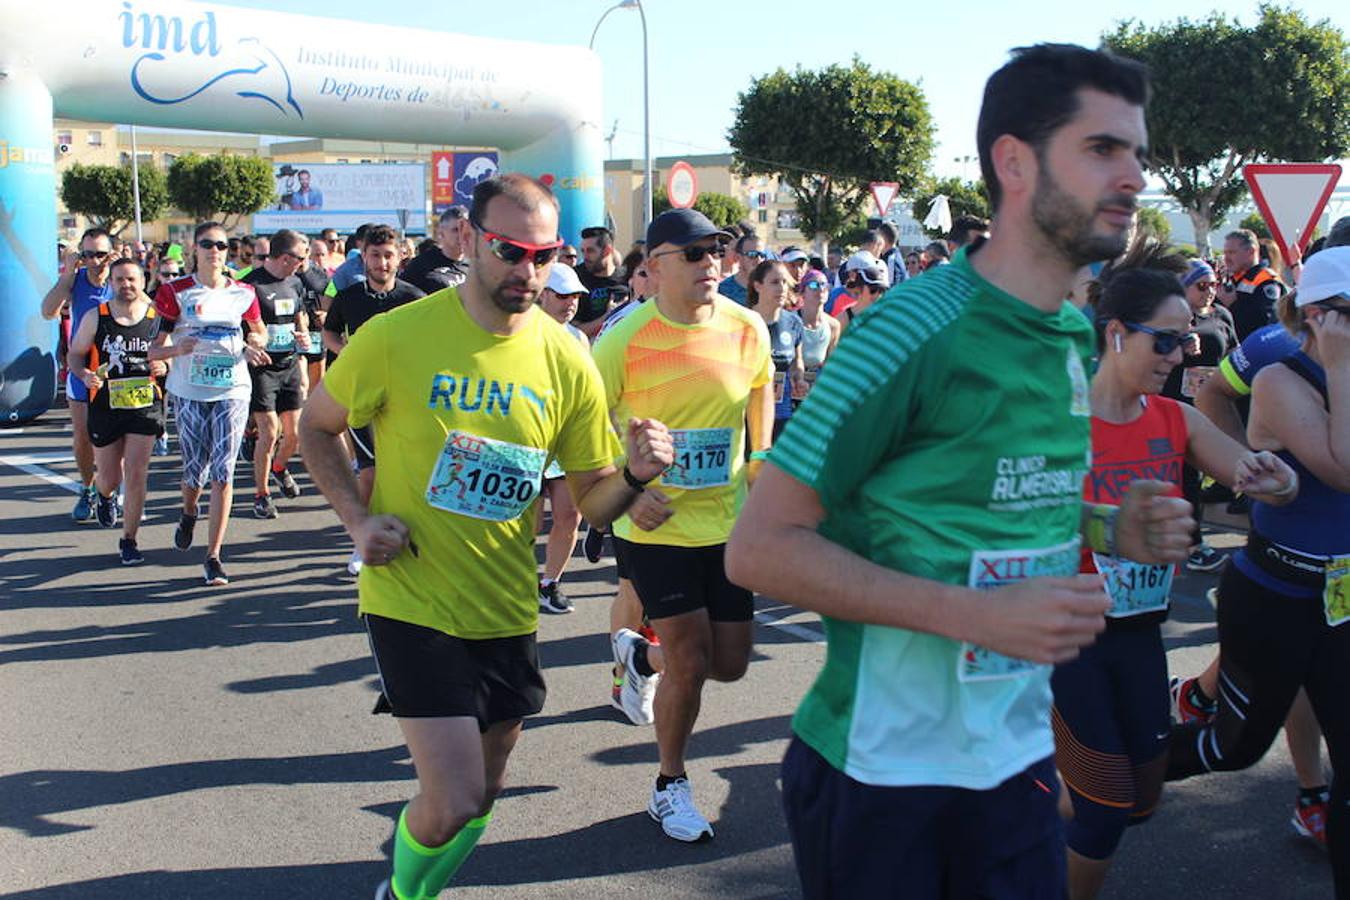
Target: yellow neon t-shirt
<point>697,380</point>
<point>464,421</point>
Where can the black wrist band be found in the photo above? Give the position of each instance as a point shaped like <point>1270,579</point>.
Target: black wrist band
<point>633,481</point>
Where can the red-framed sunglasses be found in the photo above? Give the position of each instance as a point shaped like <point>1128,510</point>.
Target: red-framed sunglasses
<point>512,251</point>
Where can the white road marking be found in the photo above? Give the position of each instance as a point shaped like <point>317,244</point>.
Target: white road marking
<point>30,463</point>
<point>810,635</point>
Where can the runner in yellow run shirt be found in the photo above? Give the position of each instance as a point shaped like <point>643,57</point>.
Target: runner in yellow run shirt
<point>469,392</point>
<point>700,363</point>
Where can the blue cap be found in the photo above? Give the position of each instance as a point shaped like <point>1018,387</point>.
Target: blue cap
<point>681,227</point>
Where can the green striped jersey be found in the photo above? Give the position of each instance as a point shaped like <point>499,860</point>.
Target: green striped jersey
<point>948,438</point>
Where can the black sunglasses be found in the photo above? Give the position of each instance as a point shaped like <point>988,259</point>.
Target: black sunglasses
<point>1164,342</point>
<point>206,244</point>
<point>696,253</point>
<point>753,254</point>
<point>95,254</point>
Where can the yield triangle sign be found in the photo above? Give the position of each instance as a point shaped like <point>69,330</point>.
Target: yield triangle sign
<point>883,192</point>
<point>1291,197</point>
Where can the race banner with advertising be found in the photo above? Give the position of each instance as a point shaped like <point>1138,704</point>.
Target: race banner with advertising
<point>311,197</point>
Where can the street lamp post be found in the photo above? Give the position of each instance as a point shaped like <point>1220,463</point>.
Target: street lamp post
<point>646,106</point>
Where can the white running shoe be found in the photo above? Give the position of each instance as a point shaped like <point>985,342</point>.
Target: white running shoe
<point>385,891</point>
<point>638,691</point>
<point>354,564</point>
<point>674,809</point>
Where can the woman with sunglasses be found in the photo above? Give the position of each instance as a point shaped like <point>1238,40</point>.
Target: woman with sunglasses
<point>822,330</point>
<point>1111,704</point>
<point>1285,597</point>
<point>1213,336</point>
<point>769,292</point>
<point>215,326</point>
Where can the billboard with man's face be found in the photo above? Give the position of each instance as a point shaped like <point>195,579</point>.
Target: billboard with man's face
<point>346,195</point>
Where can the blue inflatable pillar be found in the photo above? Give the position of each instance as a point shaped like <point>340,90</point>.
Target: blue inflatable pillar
<point>27,248</point>
<point>570,160</point>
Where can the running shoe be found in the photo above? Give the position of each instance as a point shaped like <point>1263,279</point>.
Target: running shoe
<point>131,555</point>
<point>1310,818</point>
<point>1204,559</point>
<point>638,691</point>
<point>215,572</point>
<point>594,545</point>
<point>161,447</point>
<point>107,509</point>
<point>384,891</point>
<point>649,634</point>
<point>354,563</point>
<point>553,601</point>
<point>1212,595</point>
<point>263,507</point>
<point>674,809</point>
<point>1183,710</point>
<point>182,535</point>
<point>84,505</point>
<point>289,488</point>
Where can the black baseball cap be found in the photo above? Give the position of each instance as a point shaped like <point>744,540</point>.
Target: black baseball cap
<point>681,227</point>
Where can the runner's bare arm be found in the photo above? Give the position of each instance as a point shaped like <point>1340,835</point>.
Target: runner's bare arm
<point>1261,475</point>
<point>1287,414</point>
<point>78,354</point>
<point>604,494</point>
<point>759,417</point>
<point>1218,401</point>
<point>776,550</point>
<point>59,295</point>
<point>378,538</point>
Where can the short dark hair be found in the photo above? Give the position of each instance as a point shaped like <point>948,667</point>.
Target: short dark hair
<point>453,214</point>
<point>1132,287</point>
<point>303,172</point>
<point>888,232</point>
<point>126,261</point>
<point>204,227</point>
<point>96,233</point>
<point>1036,93</point>
<point>1246,236</point>
<point>870,236</point>
<point>745,236</point>
<point>380,234</point>
<point>600,234</point>
<point>284,241</point>
<point>234,243</point>
<point>361,231</point>
<point>938,249</point>
<point>522,190</point>
<point>632,261</point>
<point>964,229</point>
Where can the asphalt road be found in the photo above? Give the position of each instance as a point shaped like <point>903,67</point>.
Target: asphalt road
<point>160,739</point>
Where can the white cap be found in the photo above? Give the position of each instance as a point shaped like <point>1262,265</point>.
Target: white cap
<point>795,254</point>
<point>861,260</point>
<point>1326,274</point>
<point>563,280</point>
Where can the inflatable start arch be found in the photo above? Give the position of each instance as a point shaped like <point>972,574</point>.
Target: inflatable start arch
<point>218,68</point>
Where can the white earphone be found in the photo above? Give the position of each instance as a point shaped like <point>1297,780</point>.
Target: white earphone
<point>1119,348</point>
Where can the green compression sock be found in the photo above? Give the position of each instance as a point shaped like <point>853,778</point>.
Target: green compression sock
<point>460,846</point>
<point>421,872</point>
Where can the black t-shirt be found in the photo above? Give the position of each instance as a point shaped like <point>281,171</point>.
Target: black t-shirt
<point>602,288</point>
<point>357,304</point>
<point>1217,338</point>
<point>315,281</point>
<point>279,300</point>
<point>433,270</point>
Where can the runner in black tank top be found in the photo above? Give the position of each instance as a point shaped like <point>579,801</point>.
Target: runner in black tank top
<point>113,355</point>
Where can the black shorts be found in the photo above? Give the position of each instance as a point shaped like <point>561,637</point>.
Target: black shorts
<point>621,559</point>
<point>429,674</point>
<point>276,390</point>
<point>107,426</point>
<point>671,581</point>
<point>363,446</point>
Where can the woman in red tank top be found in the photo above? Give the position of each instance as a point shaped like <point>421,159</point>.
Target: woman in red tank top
<point>1111,711</point>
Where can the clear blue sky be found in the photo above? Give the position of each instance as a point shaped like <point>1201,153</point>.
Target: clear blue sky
<point>703,52</point>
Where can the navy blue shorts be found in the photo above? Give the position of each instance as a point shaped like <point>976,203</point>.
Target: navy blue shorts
<point>854,840</point>
<point>1112,727</point>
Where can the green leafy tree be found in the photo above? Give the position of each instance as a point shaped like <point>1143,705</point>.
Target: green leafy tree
<point>103,194</point>
<point>827,134</point>
<point>1152,221</point>
<point>1225,95</point>
<point>964,198</point>
<point>224,187</point>
<point>1254,222</point>
<point>723,209</point>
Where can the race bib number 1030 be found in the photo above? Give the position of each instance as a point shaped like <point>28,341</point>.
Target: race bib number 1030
<point>485,478</point>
